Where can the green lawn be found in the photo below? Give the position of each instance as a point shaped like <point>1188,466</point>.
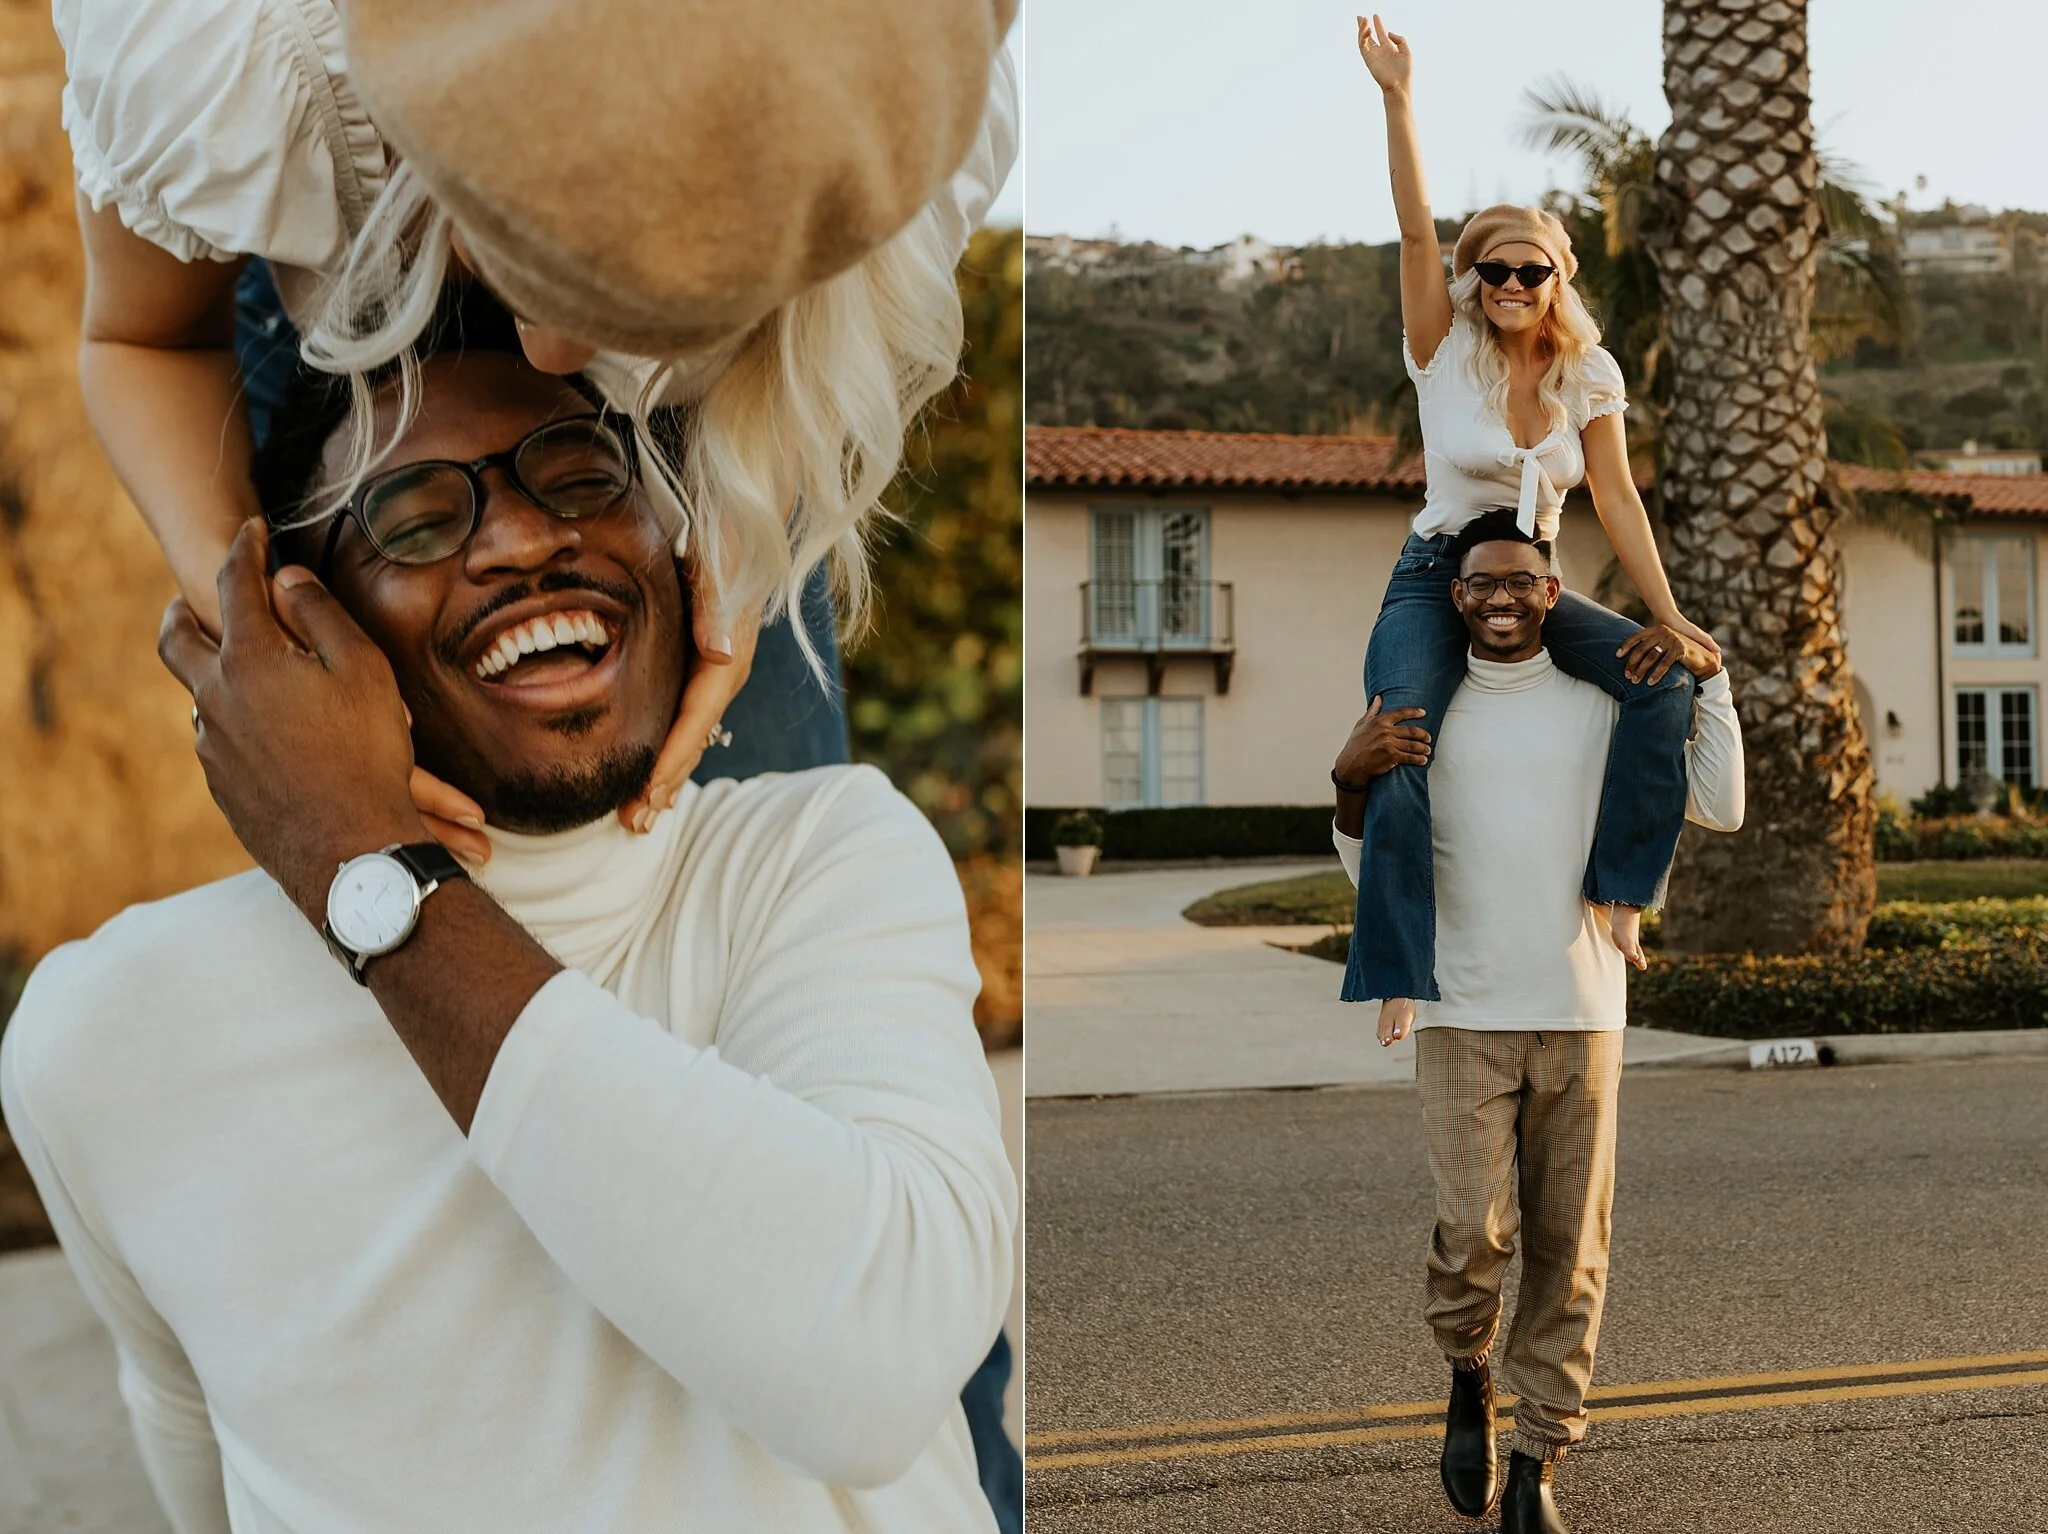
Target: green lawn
<point>1996,878</point>
<point>1325,899</point>
<point>1312,900</point>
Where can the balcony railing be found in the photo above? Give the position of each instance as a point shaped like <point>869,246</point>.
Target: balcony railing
<point>1158,620</point>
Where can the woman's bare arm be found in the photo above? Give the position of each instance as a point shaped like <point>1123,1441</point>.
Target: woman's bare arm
<point>1627,524</point>
<point>157,367</point>
<point>1425,296</point>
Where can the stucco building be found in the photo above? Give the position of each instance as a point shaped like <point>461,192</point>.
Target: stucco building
<point>1198,606</point>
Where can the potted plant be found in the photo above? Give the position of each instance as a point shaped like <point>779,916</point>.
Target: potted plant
<point>1982,790</point>
<point>1077,842</point>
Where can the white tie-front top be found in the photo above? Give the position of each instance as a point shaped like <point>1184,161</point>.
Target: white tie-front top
<point>1469,455</point>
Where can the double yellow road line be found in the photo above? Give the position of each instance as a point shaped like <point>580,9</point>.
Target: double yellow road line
<point>1161,1441</point>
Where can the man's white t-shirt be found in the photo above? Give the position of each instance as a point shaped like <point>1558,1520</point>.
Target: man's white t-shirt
<point>728,1235</point>
<point>1514,794</point>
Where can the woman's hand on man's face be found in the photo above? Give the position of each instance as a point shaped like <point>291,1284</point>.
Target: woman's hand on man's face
<point>719,668</point>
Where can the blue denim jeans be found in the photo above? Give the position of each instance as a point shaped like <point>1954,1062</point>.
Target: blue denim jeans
<point>781,721</point>
<point>1416,659</point>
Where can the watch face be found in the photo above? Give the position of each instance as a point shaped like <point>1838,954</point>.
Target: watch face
<point>372,903</point>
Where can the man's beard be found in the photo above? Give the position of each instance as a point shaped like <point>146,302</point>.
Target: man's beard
<point>544,801</point>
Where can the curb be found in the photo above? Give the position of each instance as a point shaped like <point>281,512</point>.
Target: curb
<point>1872,1049</point>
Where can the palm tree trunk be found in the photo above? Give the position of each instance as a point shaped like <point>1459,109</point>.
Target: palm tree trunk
<point>1751,557</point>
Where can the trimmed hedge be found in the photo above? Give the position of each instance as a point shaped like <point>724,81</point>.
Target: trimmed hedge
<point>1955,924</point>
<point>1926,968</point>
<point>1929,968</point>
<point>1196,831</point>
<point>2002,983</point>
<point>1963,837</point>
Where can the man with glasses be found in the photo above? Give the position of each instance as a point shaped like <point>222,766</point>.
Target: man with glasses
<point>1519,1062</point>
<point>625,1183</point>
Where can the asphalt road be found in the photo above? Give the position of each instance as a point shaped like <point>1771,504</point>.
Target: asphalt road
<point>1224,1294</point>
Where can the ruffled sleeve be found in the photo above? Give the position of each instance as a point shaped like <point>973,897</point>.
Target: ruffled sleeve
<point>968,196</point>
<point>1455,340</point>
<point>1604,392</point>
<point>220,128</point>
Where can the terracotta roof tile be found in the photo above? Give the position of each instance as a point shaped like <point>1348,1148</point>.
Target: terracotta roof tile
<point>1990,495</point>
<point>1099,457</point>
<point>1102,457</point>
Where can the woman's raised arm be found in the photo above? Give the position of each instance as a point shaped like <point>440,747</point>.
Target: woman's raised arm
<point>157,367</point>
<point>1425,295</point>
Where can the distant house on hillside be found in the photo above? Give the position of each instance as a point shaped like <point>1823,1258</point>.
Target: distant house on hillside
<point>1959,249</point>
<point>1971,459</point>
<point>1064,252</point>
<point>1248,259</point>
<point>1197,606</point>
<point>1245,259</point>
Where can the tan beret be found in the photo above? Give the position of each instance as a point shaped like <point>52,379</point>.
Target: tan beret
<point>652,176</point>
<point>1507,222</point>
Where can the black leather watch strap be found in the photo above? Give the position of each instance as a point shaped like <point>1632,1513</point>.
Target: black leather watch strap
<point>1350,788</point>
<point>430,863</point>
<point>344,955</point>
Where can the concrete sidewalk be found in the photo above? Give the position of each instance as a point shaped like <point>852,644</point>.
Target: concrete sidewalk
<point>67,1458</point>
<point>1126,996</point>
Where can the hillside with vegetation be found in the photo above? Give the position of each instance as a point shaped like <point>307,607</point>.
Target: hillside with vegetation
<point>1151,336</point>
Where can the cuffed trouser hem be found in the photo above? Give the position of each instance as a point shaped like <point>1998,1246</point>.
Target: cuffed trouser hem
<point>1476,1360</point>
<point>1538,1448</point>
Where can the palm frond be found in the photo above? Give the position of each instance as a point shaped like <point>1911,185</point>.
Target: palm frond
<point>1402,409</point>
<point>1566,117</point>
<point>1862,292</point>
<point>1907,519</point>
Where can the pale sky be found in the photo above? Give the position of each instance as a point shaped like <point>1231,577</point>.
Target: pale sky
<point>1008,209</point>
<point>1195,121</point>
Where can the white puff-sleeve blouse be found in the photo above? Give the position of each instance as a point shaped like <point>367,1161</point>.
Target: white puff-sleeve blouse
<point>227,128</point>
<point>1470,457</point>
<point>220,128</point>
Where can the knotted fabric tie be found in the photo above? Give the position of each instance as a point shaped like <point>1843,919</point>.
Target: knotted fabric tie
<point>1532,480</point>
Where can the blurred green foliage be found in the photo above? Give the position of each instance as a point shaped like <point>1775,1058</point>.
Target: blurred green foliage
<point>935,689</point>
<point>1155,342</point>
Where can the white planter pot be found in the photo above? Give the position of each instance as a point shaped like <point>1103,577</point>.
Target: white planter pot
<point>1078,862</point>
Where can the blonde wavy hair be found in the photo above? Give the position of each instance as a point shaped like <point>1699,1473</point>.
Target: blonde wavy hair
<point>1568,333</point>
<point>795,429</point>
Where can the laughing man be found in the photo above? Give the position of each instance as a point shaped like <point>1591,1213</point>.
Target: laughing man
<point>1519,1063</point>
<point>636,1183</point>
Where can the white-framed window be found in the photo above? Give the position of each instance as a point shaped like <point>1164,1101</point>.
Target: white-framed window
<point>1151,752</point>
<point>1149,576</point>
<point>1991,596</point>
<point>1995,731</point>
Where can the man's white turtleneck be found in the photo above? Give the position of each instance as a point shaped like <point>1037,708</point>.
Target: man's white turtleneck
<point>729,1233</point>
<point>1514,798</point>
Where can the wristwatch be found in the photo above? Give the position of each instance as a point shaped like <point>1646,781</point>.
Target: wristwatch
<point>374,902</point>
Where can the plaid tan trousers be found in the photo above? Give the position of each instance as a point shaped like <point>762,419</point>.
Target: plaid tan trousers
<point>1520,1127</point>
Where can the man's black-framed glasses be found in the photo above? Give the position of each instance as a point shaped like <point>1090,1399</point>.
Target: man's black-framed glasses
<point>577,467</point>
<point>1521,585</point>
<point>1495,274</point>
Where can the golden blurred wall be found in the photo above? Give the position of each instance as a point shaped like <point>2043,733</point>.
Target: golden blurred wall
<point>101,800</point>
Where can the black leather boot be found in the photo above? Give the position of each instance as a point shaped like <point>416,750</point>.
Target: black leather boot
<point>1526,1506</point>
<point>1470,1463</point>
